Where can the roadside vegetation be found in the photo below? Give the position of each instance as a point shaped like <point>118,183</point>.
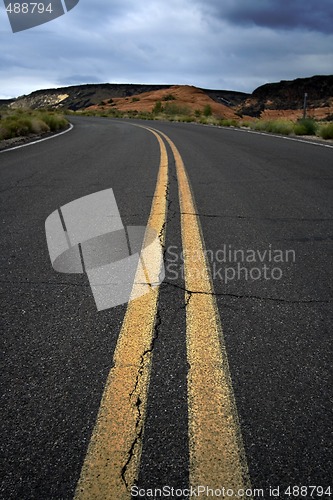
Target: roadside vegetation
<point>326,131</point>
<point>307,127</point>
<point>169,110</point>
<point>18,122</point>
<point>24,122</point>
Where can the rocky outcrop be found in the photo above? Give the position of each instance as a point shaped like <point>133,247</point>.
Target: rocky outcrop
<point>289,95</point>
<point>227,97</point>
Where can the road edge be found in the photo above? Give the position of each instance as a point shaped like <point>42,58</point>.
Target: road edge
<point>30,143</point>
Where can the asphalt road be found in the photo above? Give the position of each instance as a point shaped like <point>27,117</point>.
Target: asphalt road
<point>265,206</point>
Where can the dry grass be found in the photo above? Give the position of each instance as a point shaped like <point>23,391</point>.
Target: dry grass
<point>18,123</point>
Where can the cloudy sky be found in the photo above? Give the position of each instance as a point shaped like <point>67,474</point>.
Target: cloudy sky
<point>221,44</point>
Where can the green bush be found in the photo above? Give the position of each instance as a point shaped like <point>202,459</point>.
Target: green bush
<point>228,123</point>
<point>284,127</point>
<point>38,126</point>
<point>15,125</point>
<point>306,126</point>
<point>5,133</point>
<point>169,97</point>
<point>54,121</point>
<point>207,110</point>
<point>158,108</point>
<point>259,125</point>
<point>174,109</point>
<point>326,131</point>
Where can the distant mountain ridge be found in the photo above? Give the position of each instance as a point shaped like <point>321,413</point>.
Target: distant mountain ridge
<point>77,97</point>
<point>284,95</point>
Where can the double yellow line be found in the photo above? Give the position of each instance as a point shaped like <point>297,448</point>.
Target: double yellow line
<point>217,456</point>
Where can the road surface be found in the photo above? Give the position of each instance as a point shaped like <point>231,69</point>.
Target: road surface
<point>219,378</point>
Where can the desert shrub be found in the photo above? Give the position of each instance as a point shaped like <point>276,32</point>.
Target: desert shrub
<point>208,120</point>
<point>211,120</point>
<point>228,123</point>
<point>23,126</point>
<point>207,111</point>
<point>5,132</point>
<point>169,97</point>
<point>135,99</point>
<point>54,121</point>
<point>306,126</point>
<point>174,109</point>
<point>158,108</point>
<point>326,131</point>
<point>259,125</point>
<point>38,126</point>
<point>16,125</point>
<point>284,127</point>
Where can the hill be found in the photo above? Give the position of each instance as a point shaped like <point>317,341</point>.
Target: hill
<point>178,99</point>
<point>272,100</point>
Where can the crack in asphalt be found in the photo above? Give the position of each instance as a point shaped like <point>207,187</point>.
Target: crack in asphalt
<point>188,297</point>
<point>245,217</point>
<point>244,296</point>
<point>171,214</point>
<point>139,424</point>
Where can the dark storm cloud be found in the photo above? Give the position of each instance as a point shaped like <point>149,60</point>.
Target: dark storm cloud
<point>230,44</point>
<point>313,15</point>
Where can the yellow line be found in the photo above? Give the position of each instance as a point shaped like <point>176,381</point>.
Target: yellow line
<point>217,456</point>
<point>113,456</point>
